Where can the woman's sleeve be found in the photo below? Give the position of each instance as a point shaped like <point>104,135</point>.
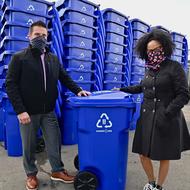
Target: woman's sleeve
<point>132,89</point>
<point>180,89</point>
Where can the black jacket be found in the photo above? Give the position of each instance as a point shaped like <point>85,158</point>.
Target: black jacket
<point>25,82</point>
<point>161,132</point>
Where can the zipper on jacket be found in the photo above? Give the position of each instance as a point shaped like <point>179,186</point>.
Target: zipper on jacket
<point>43,84</point>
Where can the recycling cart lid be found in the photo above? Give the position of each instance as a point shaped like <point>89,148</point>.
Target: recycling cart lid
<point>103,99</point>
<point>3,96</point>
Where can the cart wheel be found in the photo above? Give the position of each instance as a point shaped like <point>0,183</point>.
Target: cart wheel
<point>85,180</point>
<point>76,162</point>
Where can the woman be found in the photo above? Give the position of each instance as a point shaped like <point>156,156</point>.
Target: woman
<point>161,132</point>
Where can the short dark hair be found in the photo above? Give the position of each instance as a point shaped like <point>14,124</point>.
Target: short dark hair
<point>164,38</point>
<point>37,23</point>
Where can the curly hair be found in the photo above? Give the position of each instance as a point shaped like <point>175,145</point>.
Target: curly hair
<point>164,38</point>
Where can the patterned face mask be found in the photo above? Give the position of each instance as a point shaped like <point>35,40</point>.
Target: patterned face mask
<point>39,42</point>
<point>155,57</point>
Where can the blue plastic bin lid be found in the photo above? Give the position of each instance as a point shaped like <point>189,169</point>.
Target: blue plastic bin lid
<point>114,11</point>
<point>178,34</point>
<point>10,38</point>
<point>3,95</point>
<point>2,82</point>
<point>2,2</point>
<point>45,2</point>
<point>113,82</point>
<point>77,23</point>
<point>10,23</point>
<point>78,35</point>
<point>60,2</point>
<point>7,52</point>
<point>12,9</point>
<point>80,70</point>
<point>63,11</point>
<point>103,99</point>
<point>160,27</point>
<point>79,59</point>
<point>138,20</point>
<point>3,68</point>
<point>114,72</point>
<point>115,63</point>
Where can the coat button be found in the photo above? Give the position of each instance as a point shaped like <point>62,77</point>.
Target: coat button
<point>144,110</point>
<point>144,88</point>
<point>154,99</point>
<point>153,111</point>
<point>153,88</point>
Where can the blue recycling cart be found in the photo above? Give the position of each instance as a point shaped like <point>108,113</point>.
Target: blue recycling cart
<point>103,128</point>
<point>13,138</point>
<point>3,96</point>
<point>69,126</point>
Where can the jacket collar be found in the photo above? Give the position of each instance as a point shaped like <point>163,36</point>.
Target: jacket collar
<point>35,52</point>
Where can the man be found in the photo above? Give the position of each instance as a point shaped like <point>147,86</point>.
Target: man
<point>31,85</point>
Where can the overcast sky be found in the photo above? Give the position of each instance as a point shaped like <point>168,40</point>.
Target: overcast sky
<point>172,14</point>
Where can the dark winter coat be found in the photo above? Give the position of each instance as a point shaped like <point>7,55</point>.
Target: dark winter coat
<point>162,132</point>
<point>25,82</point>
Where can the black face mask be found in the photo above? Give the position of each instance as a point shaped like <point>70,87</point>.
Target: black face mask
<point>39,43</point>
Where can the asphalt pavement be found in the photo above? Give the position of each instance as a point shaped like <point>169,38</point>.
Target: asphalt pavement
<point>12,176</point>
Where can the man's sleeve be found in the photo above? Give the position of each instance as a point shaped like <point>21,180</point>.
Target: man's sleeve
<point>12,82</point>
<point>66,80</point>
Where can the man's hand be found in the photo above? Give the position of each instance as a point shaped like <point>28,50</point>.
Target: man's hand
<point>115,89</point>
<point>24,118</point>
<point>83,93</point>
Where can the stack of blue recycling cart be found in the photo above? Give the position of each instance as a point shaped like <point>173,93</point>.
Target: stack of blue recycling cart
<point>118,49</point>
<point>181,49</point>
<point>137,66</point>
<point>82,41</point>
<point>56,41</point>
<point>79,20</point>
<point>139,28</point>
<point>15,20</point>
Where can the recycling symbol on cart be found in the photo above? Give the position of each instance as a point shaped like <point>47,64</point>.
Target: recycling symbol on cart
<point>29,22</point>
<point>84,9</point>
<point>30,8</point>
<point>104,124</point>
